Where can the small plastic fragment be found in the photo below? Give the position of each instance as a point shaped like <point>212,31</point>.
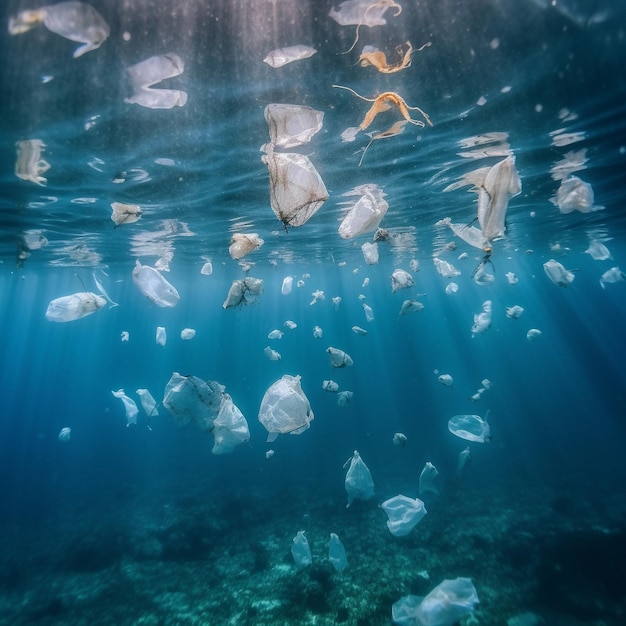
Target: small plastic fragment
<point>411,306</point>
<point>445,269</point>
<point>330,385</point>
<point>289,54</point>
<point>339,358</point>
<point>451,288</point>
<point>446,379</point>
<point>29,164</point>
<point>186,334</point>
<point>317,296</point>
<point>401,279</point>
<point>124,335</point>
<point>65,434</point>
<point>369,313</point>
<point>317,332</point>
<point>125,213</point>
<point>285,288</point>
<point>358,330</point>
<point>463,460</point>
<point>344,397</point>
<point>207,269</point>
<point>290,324</point>
<point>482,321</point>
<point>533,333</point>
<point>511,277</point>
<point>336,302</point>
<point>514,311</point>
<point>272,355</point>
<point>399,439</point>
<point>275,334</point>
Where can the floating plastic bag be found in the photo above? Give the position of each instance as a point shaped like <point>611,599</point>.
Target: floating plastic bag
<point>148,403</point>
<point>470,427</point>
<point>343,397</point>
<point>74,307</point>
<point>613,275</point>
<point>161,336</point>
<point>282,56</point>
<point>301,551</point>
<point>447,603</point>
<point>244,243</point>
<point>446,379</point>
<point>403,611</point>
<point>65,434</point>
<point>240,288</point>
<point>285,409</point>
<point>482,321</point>
<point>399,439</point>
<point>230,427</point>
<point>411,306</point>
<point>404,514</point>
<point>370,252</point>
<point>359,484</point>
<point>514,311</point>
<point>330,385</point>
<point>557,273</point>
<point>339,358</point>
<point>292,125</point>
<point>598,251</point>
<point>152,285</point>
<point>189,398</point>
<point>401,279</point>
<point>428,475</point>
<point>533,333</point>
<point>285,288</point>
<point>125,213</point>
<point>29,164</point>
<point>363,12</point>
<point>129,405</point>
<point>272,355</point>
<point>337,553</point>
<point>575,195</point>
<point>366,213</point>
<point>187,334</point>
<point>75,21</point>
<point>147,73</point>
<point>445,269</point>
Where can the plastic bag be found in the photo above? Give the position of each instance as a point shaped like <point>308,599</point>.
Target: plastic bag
<point>285,409</point>
<point>301,551</point>
<point>359,483</point>
<point>337,553</point>
<point>189,398</point>
<point>447,603</point>
<point>230,427</point>
<point>129,405</point>
<point>470,428</point>
<point>404,514</point>
<point>152,285</point>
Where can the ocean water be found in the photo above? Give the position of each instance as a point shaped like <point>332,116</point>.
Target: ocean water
<point>141,523</point>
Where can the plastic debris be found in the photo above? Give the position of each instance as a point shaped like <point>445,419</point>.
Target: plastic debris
<point>144,75</point>
<point>339,358</point>
<point>575,195</point>
<point>317,332</point>
<point>230,427</point>
<point>330,385</point>
<point>557,273</point>
<point>363,12</point>
<point>401,279</point>
<point>371,56</point>
<point>359,484</point>
<point>470,427</point>
<point>451,288</point>
<point>445,269</point>
<point>125,213</point>
<point>292,125</point>
<point>272,355</point>
<point>427,476</point>
<point>514,311</point>
<point>446,379</point>
<point>269,454</point>
<point>285,288</point>
<point>285,409</point>
<point>240,288</point>
<point>296,189</point>
<point>613,275</point>
<point>445,605</point>
<point>129,405</point>
<point>275,334</point>
<point>512,278</point>
<point>282,56</point>
<point>317,296</point>
<point>370,252</point>
<point>366,213</point>
<point>74,307</point>
<point>598,251</point>
<point>244,243</point>
<point>290,325</point>
<point>344,397</point>
<point>301,551</point>
<point>399,439</point>
<point>337,553</point>
<point>207,269</point>
<point>124,335</point>
<point>186,334</point>
<point>161,336</point>
<point>148,403</point>
<point>357,330</point>
<point>65,434</point>
<point>369,313</point>
<point>154,286</point>
<point>533,333</point>
<point>190,399</point>
<point>463,459</point>
<point>75,21</point>
<point>482,321</point>
<point>29,164</point>
<point>411,306</point>
<point>403,514</point>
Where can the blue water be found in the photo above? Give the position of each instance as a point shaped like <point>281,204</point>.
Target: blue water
<point>142,524</point>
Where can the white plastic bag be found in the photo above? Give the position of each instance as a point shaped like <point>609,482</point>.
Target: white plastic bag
<point>359,483</point>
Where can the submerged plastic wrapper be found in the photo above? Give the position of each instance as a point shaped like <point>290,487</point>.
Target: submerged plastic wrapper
<point>129,405</point>
<point>470,428</point>
<point>445,605</point>
<point>514,311</point>
<point>292,125</point>
<point>330,385</point>
<point>359,484</point>
<point>148,403</point>
<point>190,399</point>
<point>161,336</point>
<point>282,56</point>
<point>574,194</point>
<point>533,333</point>
<point>482,321</point>
<point>230,427</point>
<point>339,358</point>
<point>301,551</point>
<point>187,334</point>
<point>244,243</point>
<point>337,553</point>
<point>344,397</point>
<point>403,514</point>
<point>75,21</point>
<point>125,213</point>
<point>411,306</point>
<point>366,213</point>
<point>239,289</point>
<point>74,307</point>
<point>147,73</point>
<point>598,251</point>
<point>29,164</point>
<point>363,12</point>
<point>501,183</point>
<point>272,355</point>
<point>285,409</point>
<point>296,189</point>
<point>285,288</point>
<point>401,279</point>
<point>370,252</point>
<point>612,275</point>
<point>446,379</point>
<point>557,273</point>
<point>153,285</point>
<point>445,269</point>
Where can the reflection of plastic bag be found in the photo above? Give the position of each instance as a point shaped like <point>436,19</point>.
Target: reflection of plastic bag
<point>189,398</point>
<point>404,514</point>
<point>285,409</point>
<point>230,427</point>
<point>359,483</point>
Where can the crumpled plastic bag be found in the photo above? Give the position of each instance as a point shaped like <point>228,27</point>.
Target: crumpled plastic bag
<point>230,427</point>
<point>190,399</point>
<point>239,289</point>
<point>145,74</point>
<point>403,514</point>
<point>285,409</point>
<point>359,483</point>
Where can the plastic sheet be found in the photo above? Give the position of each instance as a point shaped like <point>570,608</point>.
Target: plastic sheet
<point>447,603</point>
<point>403,514</point>
<point>557,273</point>
<point>190,399</point>
<point>445,269</point>
<point>65,434</point>
<point>366,213</point>
<point>272,355</point>
<point>427,477</point>
<point>482,320</point>
<point>129,405</point>
<point>359,484</point>
<point>125,213</point>
<point>230,427</point>
<point>144,75</point>
<point>148,403</point>
<point>285,409</point>
<point>292,125</point>
<point>574,194</point>
<point>344,397</point>
<point>401,279</point>
<point>241,289</point>
<point>411,306</point>
<point>612,275</point>
<point>242,244</point>
<point>161,336</point>
<point>370,252</point>
<point>154,286</point>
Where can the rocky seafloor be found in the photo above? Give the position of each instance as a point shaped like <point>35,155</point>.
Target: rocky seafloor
<point>536,554</point>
